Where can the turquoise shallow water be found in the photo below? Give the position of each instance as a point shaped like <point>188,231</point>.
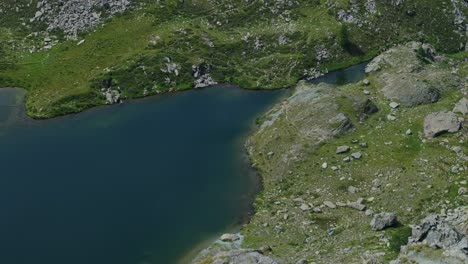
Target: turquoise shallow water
<point>141,182</point>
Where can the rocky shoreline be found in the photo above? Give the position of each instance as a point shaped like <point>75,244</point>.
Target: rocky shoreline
<point>301,220</point>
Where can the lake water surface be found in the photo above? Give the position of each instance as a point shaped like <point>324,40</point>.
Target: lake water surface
<point>140,182</point>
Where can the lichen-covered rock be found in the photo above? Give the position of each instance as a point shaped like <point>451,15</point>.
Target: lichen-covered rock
<point>441,122</point>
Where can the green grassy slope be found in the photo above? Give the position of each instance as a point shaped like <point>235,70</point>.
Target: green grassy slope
<point>236,41</point>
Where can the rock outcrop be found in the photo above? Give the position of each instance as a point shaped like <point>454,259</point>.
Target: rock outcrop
<point>313,111</point>
<point>411,78</point>
<point>438,239</point>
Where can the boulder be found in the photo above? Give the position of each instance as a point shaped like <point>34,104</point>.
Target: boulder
<point>383,220</point>
<point>441,122</point>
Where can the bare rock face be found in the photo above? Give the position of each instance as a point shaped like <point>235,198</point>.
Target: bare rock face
<point>76,15</point>
<point>441,122</point>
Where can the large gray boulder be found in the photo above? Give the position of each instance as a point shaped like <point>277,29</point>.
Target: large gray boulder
<point>383,220</point>
<point>441,122</point>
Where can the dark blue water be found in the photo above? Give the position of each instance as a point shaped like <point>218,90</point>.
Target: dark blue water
<point>351,74</point>
<point>142,182</point>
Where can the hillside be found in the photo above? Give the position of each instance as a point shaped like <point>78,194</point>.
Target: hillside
<point>71,55</point>
<point>350,171</point>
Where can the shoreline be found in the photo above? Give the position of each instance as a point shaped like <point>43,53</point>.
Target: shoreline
<point>347,65</point>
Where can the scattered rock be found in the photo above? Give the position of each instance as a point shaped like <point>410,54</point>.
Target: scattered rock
<point>352,189</point>
<point>391,117</point>
<point>461,107</point>
<point>394,105</point>
<point>305,207</point>
<point>329,204</point>
<point>409,132</point>
<point>278,229</point>
<point>383,220</point>
<point>342,149</point>
<point>357,205</point>
<point>456,149</point>
<point>324,165</point>
<point>376,183</point>
<point>366,82</point>
<point>366,92</point>
<point>441,122</point>
<point>356,155</point>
